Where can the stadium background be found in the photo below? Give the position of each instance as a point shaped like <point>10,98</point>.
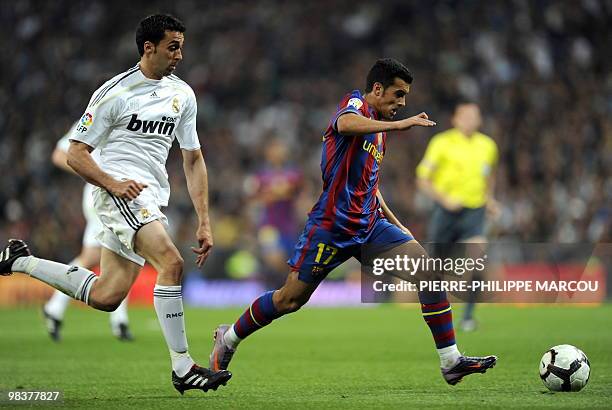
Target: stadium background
<point>540,70</point>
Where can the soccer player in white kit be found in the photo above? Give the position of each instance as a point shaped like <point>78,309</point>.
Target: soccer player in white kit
<point>89,257</point>
<point>133,120</point>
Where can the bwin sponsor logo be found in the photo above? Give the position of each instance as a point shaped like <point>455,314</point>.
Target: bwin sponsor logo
<point>163,127</point>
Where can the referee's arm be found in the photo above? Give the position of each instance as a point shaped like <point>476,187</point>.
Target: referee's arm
<point>425,186</point>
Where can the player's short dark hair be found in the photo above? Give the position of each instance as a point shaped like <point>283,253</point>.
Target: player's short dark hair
<point>385,71</point>
<point>153,28</point>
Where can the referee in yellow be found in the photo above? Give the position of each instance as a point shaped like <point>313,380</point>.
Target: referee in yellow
<point>457,174</point>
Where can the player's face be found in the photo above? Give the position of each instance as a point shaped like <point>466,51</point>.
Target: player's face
<point>168,53</point>
<point>276,153</point>
<point>392,98</point>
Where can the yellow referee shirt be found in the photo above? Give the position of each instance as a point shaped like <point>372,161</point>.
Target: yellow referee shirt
<point>459,166</point>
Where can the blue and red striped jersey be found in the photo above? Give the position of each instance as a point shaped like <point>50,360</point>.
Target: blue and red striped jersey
<point>349,166</point>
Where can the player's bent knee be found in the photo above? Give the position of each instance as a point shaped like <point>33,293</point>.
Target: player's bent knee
<point>105,305</point>
<point>106,301</point>
<point>287,304</point>
<point>288,307</point>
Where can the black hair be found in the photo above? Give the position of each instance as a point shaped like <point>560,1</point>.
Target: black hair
<point>385,71</point>
<point>153,28</point>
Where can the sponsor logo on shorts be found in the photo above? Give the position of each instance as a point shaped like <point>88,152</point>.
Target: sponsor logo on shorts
<point>317,269</point>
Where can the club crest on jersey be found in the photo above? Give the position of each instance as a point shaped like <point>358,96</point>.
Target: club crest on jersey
<point>163,127</point>
<point>354,102</point>
<point>175,105</point>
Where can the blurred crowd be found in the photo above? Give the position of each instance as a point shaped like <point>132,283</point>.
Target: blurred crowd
<point>275,70</point>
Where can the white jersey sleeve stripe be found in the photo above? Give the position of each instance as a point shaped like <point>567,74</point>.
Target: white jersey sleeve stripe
<point>109,83</point>
<point>103,92</point>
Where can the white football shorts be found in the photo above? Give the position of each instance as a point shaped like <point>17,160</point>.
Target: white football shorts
<point>121,219</point>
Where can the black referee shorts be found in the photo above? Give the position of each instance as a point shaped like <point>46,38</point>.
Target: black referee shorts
<point>448,227</point>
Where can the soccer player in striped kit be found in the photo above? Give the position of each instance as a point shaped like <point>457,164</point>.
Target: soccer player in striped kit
<point>350,218</point>
<point>133,120</point>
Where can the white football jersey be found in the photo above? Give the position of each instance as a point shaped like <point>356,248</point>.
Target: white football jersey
<point>133,121</point>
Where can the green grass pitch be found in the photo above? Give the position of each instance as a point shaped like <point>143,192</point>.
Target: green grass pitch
<point>379,357</point>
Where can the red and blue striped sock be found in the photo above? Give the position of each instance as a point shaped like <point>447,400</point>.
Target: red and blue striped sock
<point>261,313</point>
<point>439,318</point>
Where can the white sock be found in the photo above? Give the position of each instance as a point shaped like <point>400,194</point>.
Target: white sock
<point>74,281</point>
<point>181,363</point>
<point>56,306</point>
<point>231,338</point>
<point>120,315</point>
<point>58,303</point>
<point>168,301</point>
<point>448,356</point>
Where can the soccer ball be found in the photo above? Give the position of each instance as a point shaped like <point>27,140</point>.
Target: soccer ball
<point>565,368</point>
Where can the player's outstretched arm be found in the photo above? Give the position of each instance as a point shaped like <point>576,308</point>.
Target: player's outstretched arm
<point>354,124</point>
<point>197,184</point>
<point>80,160</point>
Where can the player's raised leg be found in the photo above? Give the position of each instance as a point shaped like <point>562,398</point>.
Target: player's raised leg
<point>154,244</point>
<point>74,281</point>
<point>437,313</point>
<point>269,306</point>
<point>313,258</point>
<point>104,293</point>
<point>55,308</point>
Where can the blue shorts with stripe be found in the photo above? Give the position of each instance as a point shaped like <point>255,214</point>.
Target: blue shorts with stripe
<point>318,251</point>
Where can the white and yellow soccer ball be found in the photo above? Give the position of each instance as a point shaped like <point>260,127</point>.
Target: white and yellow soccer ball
<point>565,368</point>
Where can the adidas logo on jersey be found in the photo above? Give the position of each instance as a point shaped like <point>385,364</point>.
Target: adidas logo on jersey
<point>164,127</point>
